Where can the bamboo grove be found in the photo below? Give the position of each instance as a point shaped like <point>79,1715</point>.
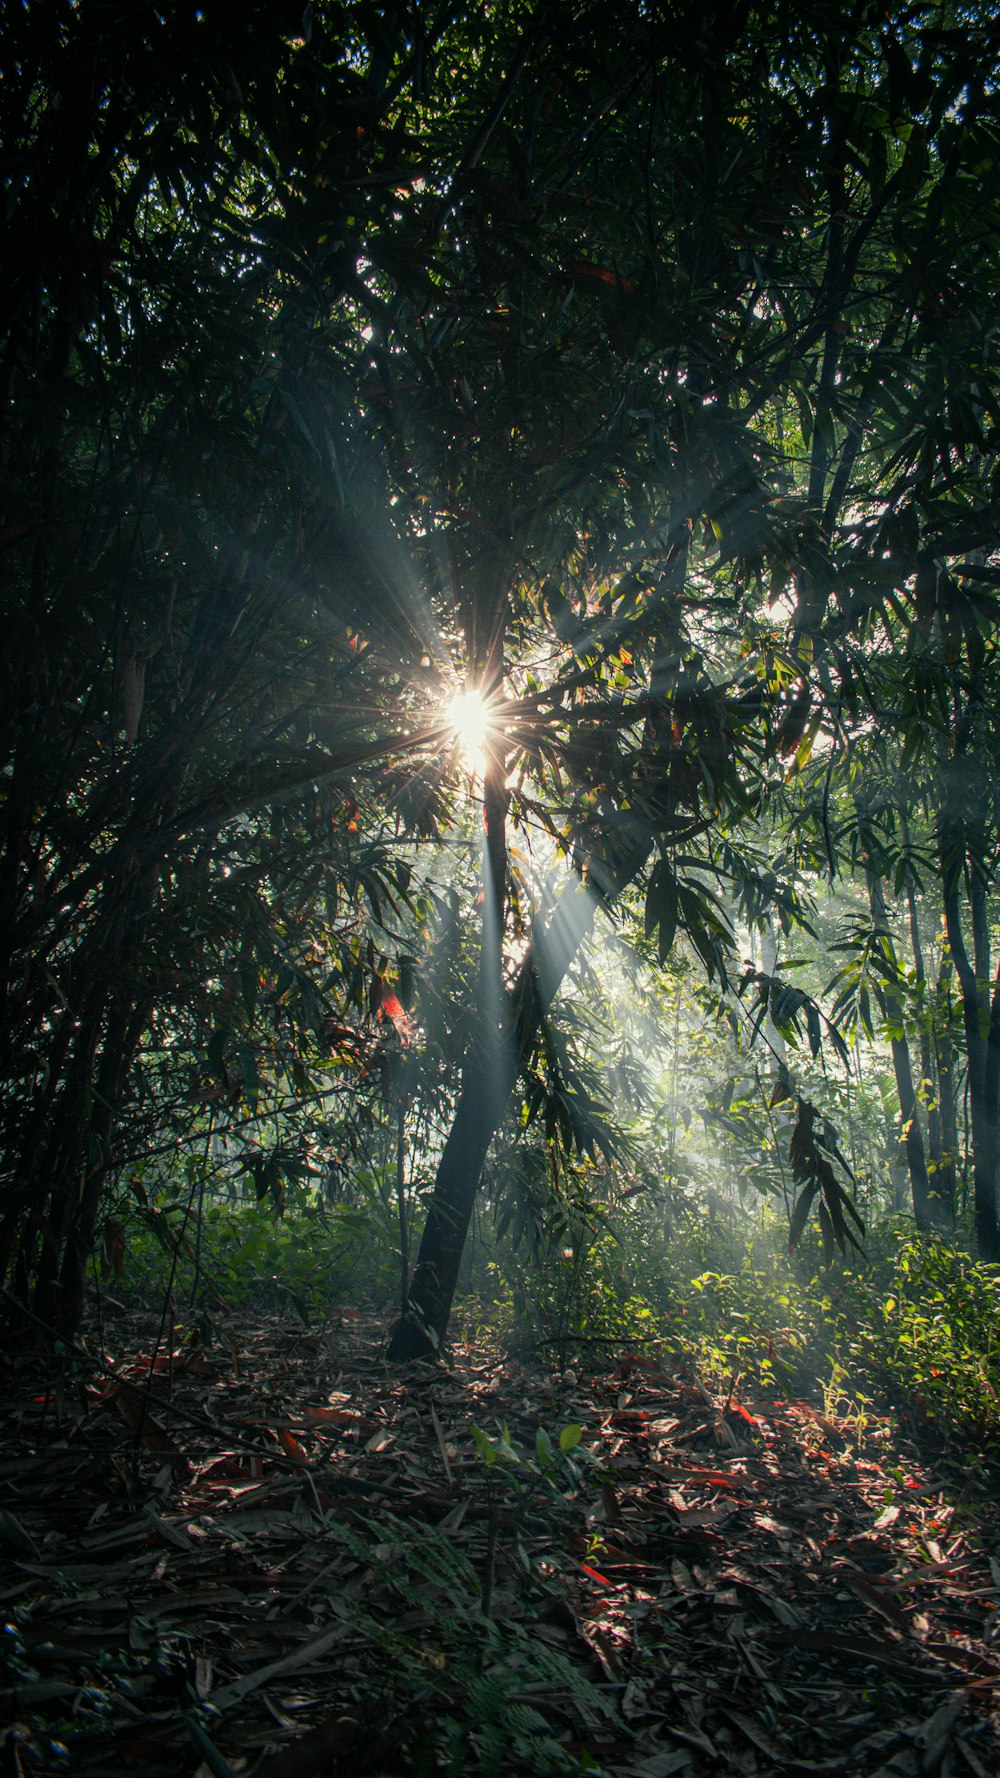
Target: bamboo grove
<point>635,368</point>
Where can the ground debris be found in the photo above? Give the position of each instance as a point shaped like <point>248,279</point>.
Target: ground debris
<point>298,1560</point>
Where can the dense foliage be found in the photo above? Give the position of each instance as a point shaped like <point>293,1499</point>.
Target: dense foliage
<point>633,374</point>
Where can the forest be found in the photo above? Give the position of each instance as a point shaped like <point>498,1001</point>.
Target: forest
<point>499,893</point>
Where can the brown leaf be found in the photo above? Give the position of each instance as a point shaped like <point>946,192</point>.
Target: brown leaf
<point>757,1735</point>
<point>292,1663</point>
<point>150,1430</point>
<point>290,1445</point>
<point>714,1514</point>
<point>333,1416</point>
<point>937,1733</point>
<point>873,1594</point>
<point>683,1579</point>
<point>859,1648</point>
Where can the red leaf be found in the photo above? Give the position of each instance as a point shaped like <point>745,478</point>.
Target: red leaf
<point>393,1010</point>
<point>601,274</point>
<point>594,1574</point>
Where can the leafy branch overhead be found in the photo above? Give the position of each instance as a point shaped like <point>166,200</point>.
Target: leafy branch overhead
<point>499,886</point>
<point>628,374</point>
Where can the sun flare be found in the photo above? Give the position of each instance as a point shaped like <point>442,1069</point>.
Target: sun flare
<point>470,720</point>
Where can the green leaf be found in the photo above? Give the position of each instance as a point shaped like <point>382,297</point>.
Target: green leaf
<point>485,1448</point>
<point>800,1215</point>
<point>249,982</point>
<point>662,907</point>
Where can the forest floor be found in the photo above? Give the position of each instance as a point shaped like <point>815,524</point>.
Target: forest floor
<point>280,1556</point>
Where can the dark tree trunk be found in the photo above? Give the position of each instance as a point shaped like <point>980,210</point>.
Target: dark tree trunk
<point>491,1068</point>
<point>502,1043</point>
<point>940,1180</point>
<point>487,1081</point>
<point>981,1020</point>
<point>488,1076</point>
<point>65,1145</point>
<point>944,1064</point>
<point>121,1040</point>
<point>57,1170</point>
<point>913,1140</point>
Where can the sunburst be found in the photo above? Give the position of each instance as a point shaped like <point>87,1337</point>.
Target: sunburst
<point>472,723</point>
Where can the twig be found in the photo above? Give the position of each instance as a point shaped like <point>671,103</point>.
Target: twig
<point>489,1568</point>
<point>442,1447</point>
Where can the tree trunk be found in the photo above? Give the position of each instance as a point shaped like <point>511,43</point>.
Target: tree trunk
<point>121,1040</point>
<point>769,964</point>
<point>944,1066</point>
<point>913,1140</point>
<point>66,1140</point>
<point>508,1022</point>
<point>488,1076</point>
<point>57,1170</point>
<point>487,1081</point>
<point>940,1180</point>
<point>490,1071</point>
<point>982,1040</point>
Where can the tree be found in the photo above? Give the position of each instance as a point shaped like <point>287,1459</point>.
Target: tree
<point>378,363</point>
<point>189,722</point>
<point>808,325</point>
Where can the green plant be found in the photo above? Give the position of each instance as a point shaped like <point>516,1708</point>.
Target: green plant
<point>936,1334</point>
<point>551,1462</point>
<point>842,1400</point>
<point>305,1259</point>
<point>463,1677</point>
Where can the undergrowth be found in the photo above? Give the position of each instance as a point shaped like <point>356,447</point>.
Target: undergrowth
<point>245,1255</point>
<point>477,1695</point>
<point>913,1321</point>
<point>454,1690</point>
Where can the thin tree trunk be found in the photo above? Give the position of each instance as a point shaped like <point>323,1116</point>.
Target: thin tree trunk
<point>504,1035</point>
<point>769,963</point>
<point>488,1077</point>
<point>61,1169</point>
<point>482,1100</point>
<point>121,1040</point>
<point>913,1140</point>
<point>404,1234</point>
<point>944,1058</point>
<point>66,1173</point>
<point>941,1203</point>
<point>982,1047</point>
<point>489,1073</point>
